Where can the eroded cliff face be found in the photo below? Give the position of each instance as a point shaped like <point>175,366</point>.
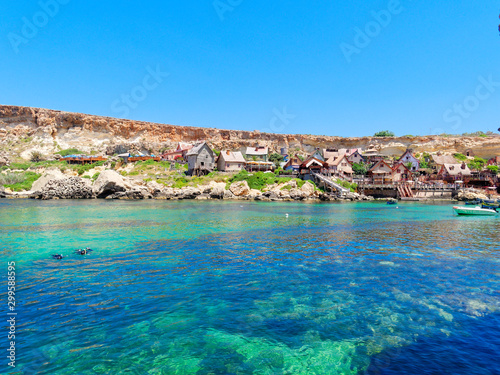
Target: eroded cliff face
<point>23,129</point>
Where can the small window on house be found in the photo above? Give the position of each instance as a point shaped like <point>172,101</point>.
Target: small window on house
<point>202,163</point>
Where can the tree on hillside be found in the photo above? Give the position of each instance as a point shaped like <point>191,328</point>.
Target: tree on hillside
<point>477,164</point>
<point>384,133</point>
<point>360,169</point>
<point>493,168</point>
<point>276,158</point>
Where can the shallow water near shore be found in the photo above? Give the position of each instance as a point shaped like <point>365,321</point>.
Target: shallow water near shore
<point>212,287</point>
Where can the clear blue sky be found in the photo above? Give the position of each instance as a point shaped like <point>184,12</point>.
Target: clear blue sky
<point>240,66</point>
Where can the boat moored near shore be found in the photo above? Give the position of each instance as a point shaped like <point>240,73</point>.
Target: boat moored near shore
<point>460,210</point>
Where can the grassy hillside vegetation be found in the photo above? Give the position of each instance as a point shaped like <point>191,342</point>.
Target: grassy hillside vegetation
<point>18,181</point>
<point>259,180</point>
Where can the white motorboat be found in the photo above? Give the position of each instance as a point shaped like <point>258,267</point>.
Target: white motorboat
<point>463,210</point>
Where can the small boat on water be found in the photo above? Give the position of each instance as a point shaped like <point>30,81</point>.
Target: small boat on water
<point>462,210</point>
<point>392,201</point>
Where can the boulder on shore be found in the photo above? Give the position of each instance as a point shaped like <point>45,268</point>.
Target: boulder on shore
<point>307,189</point>
<point>218,191</point>
<point>108,183</point>
<point>53,174</point>
<point>69,188</point>
<point>470,195</point>
<point>3,194</point>
<point>240,188</point>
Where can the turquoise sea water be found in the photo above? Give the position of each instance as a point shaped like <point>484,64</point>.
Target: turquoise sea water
<point>239,288</point>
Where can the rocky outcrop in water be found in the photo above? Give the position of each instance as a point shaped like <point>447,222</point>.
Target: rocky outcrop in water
<point>69,188</point>
<point>109,183</point>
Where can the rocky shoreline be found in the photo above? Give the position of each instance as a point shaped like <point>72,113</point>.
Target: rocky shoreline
<point>111,185</point>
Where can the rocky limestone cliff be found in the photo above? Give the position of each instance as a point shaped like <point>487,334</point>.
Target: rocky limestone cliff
<point>24,129</point>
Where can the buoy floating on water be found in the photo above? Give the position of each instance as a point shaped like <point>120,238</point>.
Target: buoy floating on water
<point>286,215</point>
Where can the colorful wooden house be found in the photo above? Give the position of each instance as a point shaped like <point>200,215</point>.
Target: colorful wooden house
<point>381,173</point>
<point>494,161</point>
<point>258,153</point>
<point>408,158</point>
<point>293,164</point>
<point>201,160</point>
<point>229,161</point>
<point>356,157</point>
<point>312,165</point>
<point>453,172</point>
<point>180,152</point>
<point>341,166</point>
<point>400,172</point>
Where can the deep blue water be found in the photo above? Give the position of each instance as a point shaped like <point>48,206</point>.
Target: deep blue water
<point>238,288</point>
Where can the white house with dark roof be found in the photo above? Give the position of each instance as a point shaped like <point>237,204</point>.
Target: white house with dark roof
<point>229,161</point>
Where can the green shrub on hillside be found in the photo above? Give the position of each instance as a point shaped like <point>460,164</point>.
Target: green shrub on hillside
<point>384,133</point>
<point>353,187</point>
<point>477,164</point>
<point>180,182</point>
<point>493,168</point>
<point>460,156</point>
<point>70,151</point>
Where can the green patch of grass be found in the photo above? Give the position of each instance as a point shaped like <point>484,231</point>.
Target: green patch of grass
<point>148,180</point>
<point>88,177</point>
<point>259,180</point>
<point>353,187</point>
<point>81,169</point>
<point>180,183</point>
<point>460,157</point>
<point>19,181</point>
<point>70,151</point>
<point>94,177</point>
